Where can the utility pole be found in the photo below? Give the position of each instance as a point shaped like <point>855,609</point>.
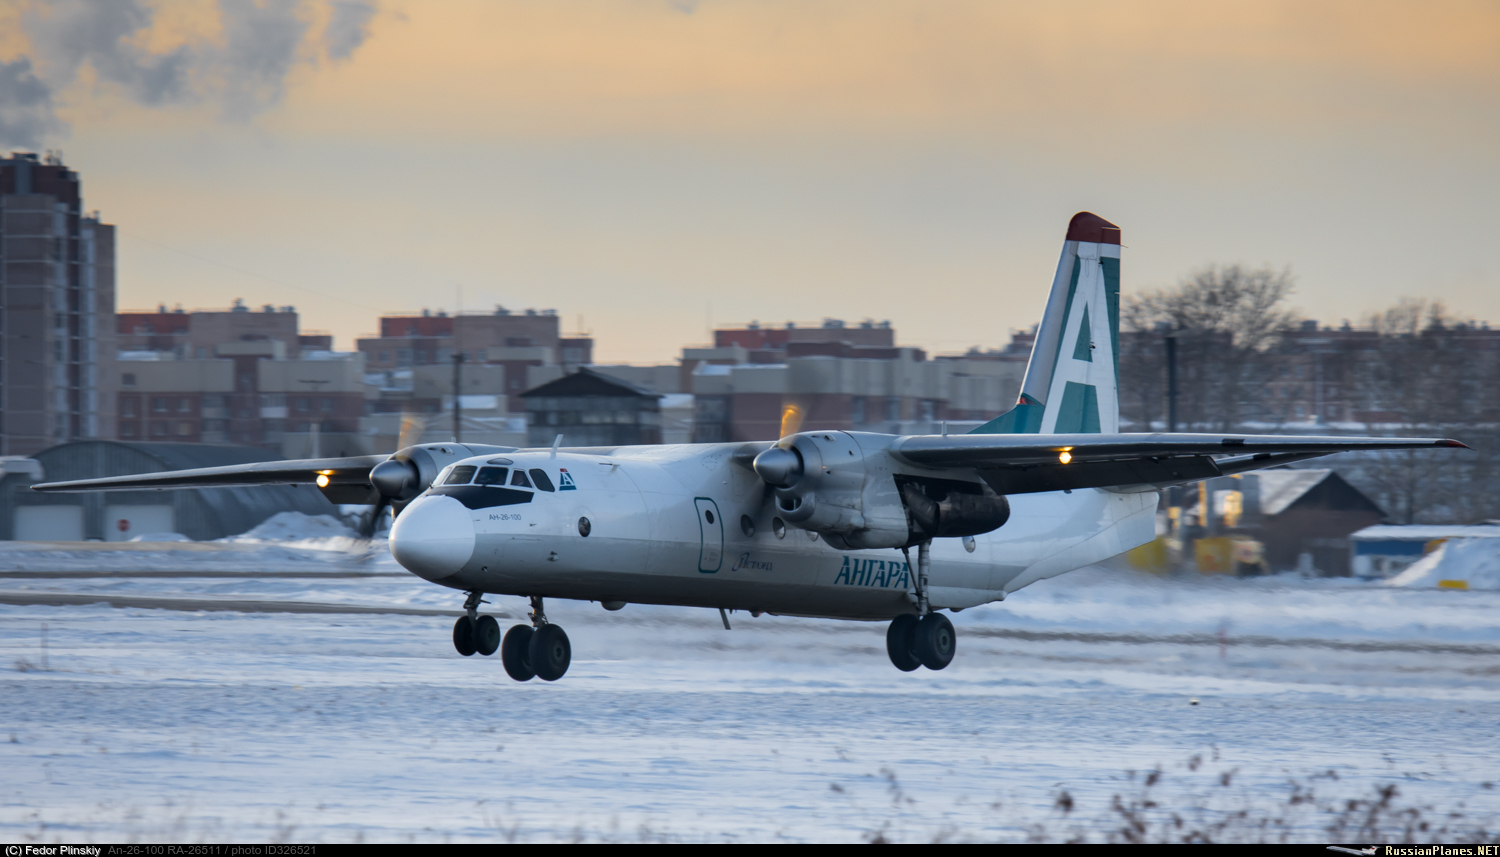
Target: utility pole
<point>458,361</point>
<point>314,428</point>
<point>1171,343</point>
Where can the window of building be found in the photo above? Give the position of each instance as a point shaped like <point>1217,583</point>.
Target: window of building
<point>421,356</point>
<point>202,352</point>
<point>302,405</point>
<point>325,404</point>
<point>127,430</point>
<point>385,357</point>
<point>159,429</point>
<point>517,342</point>
<point>127,380</point>
<point>213,401</point>
<point>572,355</point>
<point>159,404</point>
<point>893,409</point>
<point>184,406</point>
<point>184,429</point>
<point>857,410</point>
<point>127,406</point>
<point>403,356</point>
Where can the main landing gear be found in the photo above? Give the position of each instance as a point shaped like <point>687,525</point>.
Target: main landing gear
<point>928,639</point>
<point>539,651</point>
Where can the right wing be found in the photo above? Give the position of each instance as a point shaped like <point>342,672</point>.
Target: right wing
<point>1029,463</point>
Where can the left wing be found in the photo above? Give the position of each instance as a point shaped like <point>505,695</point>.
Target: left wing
<point>1029,463</point>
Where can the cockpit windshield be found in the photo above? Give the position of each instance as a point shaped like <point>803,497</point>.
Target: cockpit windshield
<point>460,475</point>
<point>491,476</point>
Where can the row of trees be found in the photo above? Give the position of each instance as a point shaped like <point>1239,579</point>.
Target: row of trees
<point>1248,361</point>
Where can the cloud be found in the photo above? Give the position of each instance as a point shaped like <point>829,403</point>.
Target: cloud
<point>26,115</point>
<point>237,54</point>
<point>348,27</point>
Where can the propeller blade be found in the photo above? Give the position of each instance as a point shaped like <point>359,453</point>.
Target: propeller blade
<point>791,419</point>
<point>371,523</point>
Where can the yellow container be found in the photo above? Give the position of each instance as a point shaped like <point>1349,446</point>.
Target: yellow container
<point>1453,584</point>
<point>1151,556</point>
<point>1215,555</point>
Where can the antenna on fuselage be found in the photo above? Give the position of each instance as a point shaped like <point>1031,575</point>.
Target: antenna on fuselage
<point>556,442</point>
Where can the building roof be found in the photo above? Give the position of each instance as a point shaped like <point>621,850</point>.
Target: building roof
<point>588,382</point>
<point>1425,532</point>
<point>1281,488</point>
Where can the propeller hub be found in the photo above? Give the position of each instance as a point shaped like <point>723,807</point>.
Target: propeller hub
<point>778,466</point>
<point>394,479</point>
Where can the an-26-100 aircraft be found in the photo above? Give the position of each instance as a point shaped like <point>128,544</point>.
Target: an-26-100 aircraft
<point>819,523</point>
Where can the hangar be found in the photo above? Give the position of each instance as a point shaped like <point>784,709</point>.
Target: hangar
<point>198,513</point>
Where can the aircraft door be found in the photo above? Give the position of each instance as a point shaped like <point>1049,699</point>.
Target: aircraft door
<point>711,531</point>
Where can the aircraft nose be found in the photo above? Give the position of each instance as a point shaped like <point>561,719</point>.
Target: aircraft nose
<point>433,537</point>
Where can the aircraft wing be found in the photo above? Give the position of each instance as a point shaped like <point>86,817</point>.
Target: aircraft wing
<point>322,472</point>
<point>1028,463</point>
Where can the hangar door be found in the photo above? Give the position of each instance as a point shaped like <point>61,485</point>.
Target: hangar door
<point>123,523</point>
<point>48,524</point>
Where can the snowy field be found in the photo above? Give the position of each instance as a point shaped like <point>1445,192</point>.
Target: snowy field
<point>184,724</point>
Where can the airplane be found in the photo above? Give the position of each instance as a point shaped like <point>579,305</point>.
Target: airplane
<point>820,523</point>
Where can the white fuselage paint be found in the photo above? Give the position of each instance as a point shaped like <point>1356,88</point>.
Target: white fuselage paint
<point>650,540</point>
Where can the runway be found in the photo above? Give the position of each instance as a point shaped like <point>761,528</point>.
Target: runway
<point>317,707</point>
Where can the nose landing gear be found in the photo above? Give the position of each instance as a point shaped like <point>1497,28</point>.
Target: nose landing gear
<point>539,651</point>
<point>474,633</point>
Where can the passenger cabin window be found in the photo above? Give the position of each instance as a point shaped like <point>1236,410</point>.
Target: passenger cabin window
<point>539,476</point>
<point>491,476</point>
<point>460,475</point>
<point>519,479</point>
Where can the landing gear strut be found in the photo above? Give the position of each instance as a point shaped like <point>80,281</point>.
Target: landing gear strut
<point>475,633</point>
<point>926,639</point>
<point>541,650</point>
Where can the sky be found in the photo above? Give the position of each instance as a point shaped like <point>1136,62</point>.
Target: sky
<point>651,168</point>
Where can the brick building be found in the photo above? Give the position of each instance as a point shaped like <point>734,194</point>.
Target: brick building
<point>57,298</point>
<point>240,377</point>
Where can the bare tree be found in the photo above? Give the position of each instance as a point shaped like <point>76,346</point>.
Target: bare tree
<point>1430,374</point>
<point>1227,321</point>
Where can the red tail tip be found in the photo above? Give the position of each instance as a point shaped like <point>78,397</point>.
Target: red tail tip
<point>1087,226</point>
<point>1457,444</point>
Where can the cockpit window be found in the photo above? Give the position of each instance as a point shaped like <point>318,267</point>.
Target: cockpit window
<point>539,476</point>
<point>460,475</point>
<point>491,476</point>
<point>518,479</point>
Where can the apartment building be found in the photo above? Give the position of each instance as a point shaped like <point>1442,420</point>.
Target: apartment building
<point>57,296</point>
<point>840,377</point>
<point>240,377</point>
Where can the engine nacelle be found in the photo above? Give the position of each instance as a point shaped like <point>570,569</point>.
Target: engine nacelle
<point>846,487</point>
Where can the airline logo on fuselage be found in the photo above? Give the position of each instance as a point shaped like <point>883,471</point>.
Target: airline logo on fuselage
<point>874,572</point>
<point>565,481</point>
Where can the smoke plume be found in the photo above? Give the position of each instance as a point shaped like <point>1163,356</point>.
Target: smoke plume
<point>243,68</point>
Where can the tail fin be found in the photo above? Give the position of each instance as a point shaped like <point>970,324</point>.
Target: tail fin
<point>1071,381</point>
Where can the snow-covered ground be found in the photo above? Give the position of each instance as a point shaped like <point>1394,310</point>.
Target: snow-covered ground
<point>157,724</point>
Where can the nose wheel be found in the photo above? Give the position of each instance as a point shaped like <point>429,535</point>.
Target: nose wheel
<point>473,633</point>
<point>539,650</point>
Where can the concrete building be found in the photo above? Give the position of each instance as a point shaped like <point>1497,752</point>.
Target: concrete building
<point>515,343</point>
<point>57,300</point>
<point>840,377</point>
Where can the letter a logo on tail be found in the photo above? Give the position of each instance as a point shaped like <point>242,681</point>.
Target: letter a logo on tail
<point>1071,380</point>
